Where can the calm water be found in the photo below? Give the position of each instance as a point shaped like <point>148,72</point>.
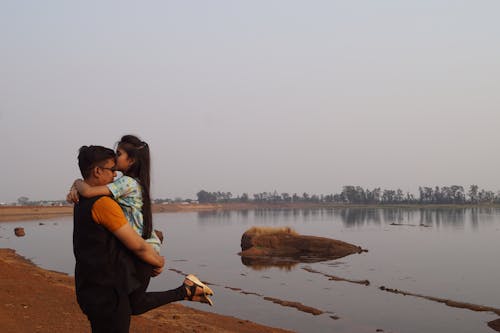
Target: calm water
<point>443,253</point>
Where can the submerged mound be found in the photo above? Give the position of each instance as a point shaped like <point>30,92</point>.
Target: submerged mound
<point>277,245</point>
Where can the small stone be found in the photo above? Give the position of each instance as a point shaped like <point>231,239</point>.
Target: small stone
<point>176,317</point>
<point>19,232</point>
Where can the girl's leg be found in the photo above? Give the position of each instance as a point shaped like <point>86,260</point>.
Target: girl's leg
<point>142,301</point>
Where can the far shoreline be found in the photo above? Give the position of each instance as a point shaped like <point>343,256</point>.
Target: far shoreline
<point>30,213</point>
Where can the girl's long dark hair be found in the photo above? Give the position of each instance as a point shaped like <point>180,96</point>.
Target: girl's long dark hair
<point>140,170</point>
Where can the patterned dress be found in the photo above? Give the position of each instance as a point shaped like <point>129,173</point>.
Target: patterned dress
<point>127,192</point>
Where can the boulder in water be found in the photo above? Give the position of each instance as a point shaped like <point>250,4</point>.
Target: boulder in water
<point>278,246</point>
<point>19,232</point>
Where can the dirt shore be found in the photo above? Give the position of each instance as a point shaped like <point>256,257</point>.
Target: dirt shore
<point>37,300</point>
<point>24,213</point>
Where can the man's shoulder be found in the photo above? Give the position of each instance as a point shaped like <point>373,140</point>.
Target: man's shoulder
<point>107,212</point>
<point>105,201</point>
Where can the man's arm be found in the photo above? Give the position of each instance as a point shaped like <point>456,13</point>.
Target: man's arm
<point>108,213</point>
<point>138,246</point>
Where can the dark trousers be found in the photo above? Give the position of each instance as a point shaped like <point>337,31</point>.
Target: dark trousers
<point>117,321</point>
<point>142,301</point>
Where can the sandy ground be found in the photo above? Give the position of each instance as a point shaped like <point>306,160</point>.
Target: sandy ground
<point>36,300</point>
<point>24,213</point>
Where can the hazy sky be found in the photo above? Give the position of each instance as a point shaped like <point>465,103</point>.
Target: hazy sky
<point>253,96</point>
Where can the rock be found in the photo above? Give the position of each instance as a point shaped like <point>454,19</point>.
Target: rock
<point>19,232</point>
<point>495,324</point>
<point>283,246</point>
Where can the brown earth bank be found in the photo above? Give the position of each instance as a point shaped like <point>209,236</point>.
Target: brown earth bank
<point>36,300</point>
<point>23,213</point>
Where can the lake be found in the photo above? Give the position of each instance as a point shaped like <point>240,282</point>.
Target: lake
<point>444,253</point>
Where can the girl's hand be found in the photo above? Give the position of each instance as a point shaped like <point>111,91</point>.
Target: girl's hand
<point>73,196</point>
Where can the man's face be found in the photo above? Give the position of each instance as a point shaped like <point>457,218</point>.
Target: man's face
<point>106,172</point>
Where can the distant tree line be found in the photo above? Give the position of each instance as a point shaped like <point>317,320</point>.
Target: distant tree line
<point>25,201</point>
<point>453,194</point>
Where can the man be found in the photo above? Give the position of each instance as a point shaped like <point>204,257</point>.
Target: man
<point>104,244</point>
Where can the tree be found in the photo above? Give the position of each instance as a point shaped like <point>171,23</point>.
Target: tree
<point>388,196</point>
<point>473,193</point>
<point>458,194</point>
<point>23,201</point>
<point>206,197</point>
<point>399,196</point>
<point>349,193</point>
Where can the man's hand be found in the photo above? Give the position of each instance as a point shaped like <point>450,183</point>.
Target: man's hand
<point>157,270</point>
<point>138,246</point>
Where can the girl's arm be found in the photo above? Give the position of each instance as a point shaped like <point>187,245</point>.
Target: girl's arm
<point>90,191</point>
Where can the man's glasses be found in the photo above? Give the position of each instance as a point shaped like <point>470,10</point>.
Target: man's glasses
<point>112,169</point>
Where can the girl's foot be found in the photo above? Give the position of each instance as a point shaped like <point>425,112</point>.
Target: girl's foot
<point>196,290</point>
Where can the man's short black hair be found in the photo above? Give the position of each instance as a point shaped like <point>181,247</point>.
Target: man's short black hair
<point>91,156</point>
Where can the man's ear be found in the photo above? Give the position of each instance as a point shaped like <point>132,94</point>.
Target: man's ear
<point>96,172</point>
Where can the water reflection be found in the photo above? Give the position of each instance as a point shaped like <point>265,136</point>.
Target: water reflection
<point>263,263</point>
<point>456,217</point>
<point>220,214</point>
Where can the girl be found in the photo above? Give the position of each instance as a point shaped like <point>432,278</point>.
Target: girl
<point>132,192</point>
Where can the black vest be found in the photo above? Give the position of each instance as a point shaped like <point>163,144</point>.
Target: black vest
<point>104,268</point>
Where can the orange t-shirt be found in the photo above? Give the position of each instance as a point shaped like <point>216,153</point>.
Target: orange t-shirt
<point>108,213</point>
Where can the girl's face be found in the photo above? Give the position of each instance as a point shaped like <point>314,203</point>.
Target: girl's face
<point>123,162</point>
